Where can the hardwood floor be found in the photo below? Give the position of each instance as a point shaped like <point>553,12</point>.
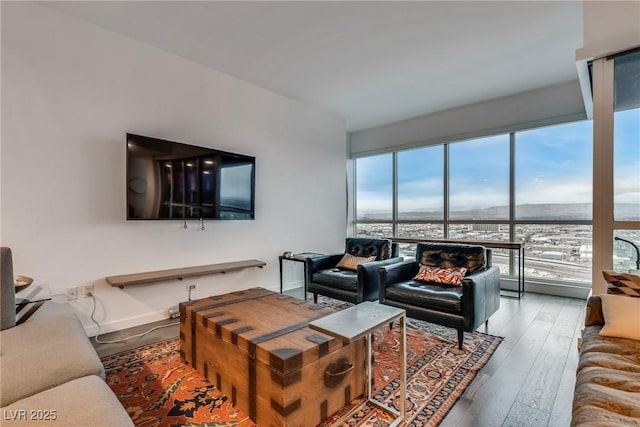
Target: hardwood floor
<point>527,382</point>
<point>530,378</point>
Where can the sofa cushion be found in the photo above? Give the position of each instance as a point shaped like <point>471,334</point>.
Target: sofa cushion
<point>52,350</point>
<point>427,295</point>
<point>607,381</point>
<point>621,316</point>
<point>87,401</point>
<point>608,352</point>
<point>351,262</point>
<point>599,406</point>
<point>337,278</point>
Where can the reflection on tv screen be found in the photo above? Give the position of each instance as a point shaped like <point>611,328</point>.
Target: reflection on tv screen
<point>171,180</point>
<point>235,187</point>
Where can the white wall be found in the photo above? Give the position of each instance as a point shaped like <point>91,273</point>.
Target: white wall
<point>70,93</point>
<point>552,104</point>
<point>609,27</point>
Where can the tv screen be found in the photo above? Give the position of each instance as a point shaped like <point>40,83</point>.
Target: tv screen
<point>172,180</point>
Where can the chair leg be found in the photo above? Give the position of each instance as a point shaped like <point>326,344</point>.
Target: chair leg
<point>315,298</point>
<point>486,325</point>
<point>460,338</point>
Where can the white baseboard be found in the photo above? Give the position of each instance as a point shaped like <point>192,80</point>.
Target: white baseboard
<point>556,289</point>
<point>129,322</point>
<point>91,329</point>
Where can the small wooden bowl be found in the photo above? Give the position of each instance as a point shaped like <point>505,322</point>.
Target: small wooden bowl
<point>22,282</point>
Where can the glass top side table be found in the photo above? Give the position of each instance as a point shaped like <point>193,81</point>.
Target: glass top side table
<point>32,297</point>
<point>358,322</point>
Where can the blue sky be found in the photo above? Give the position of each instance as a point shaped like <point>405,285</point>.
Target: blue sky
<point>553,165</point>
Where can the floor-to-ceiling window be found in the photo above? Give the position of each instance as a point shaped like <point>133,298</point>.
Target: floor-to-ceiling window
<point>615,86</point>
<point>479,193</point>
<point>626,162</point>
<point>532,186</point>
<point>553,200</point>
<point>374,196</point>
<point>420,195</point>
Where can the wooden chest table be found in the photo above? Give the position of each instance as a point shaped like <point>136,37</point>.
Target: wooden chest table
<point>256,347</point>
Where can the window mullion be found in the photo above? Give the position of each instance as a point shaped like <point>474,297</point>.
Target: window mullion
<point>445,218</point>
<point>394,203</point>
<point>512,199</point>
<point>603,101</point>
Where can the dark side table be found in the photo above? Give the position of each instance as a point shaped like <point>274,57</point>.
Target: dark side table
<point>302,257</point>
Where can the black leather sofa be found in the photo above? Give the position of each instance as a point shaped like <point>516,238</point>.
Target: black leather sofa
<point>325,278</point>
<point>464,307</point>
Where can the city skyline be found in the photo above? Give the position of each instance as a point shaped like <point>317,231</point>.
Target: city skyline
<point>530,211</point>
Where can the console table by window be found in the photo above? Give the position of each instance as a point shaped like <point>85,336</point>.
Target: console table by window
<point>514,246</point>
<point>180,273</point>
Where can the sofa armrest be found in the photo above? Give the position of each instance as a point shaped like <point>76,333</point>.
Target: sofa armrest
<point>374,266</point>
<point>480,296</point>
<point>316,264</point>
<point>593,315</point>
<point>394,273</point>
<point>369,276</point>
<point>43,353</point>
<point>479,275</point>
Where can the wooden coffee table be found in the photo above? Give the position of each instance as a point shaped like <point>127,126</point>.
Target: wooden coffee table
<point>257,348</point>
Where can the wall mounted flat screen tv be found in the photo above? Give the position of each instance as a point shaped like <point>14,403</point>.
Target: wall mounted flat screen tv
<point>172,180</point>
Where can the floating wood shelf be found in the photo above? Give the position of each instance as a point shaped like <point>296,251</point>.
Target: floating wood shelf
<point>180,273</point>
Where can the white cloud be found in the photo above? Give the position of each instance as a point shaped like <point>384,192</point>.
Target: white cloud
<point>539,192</point>
<point>477,198</point>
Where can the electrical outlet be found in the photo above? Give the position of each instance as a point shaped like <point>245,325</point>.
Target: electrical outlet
<point>71,293</point>
<point>174,312</point>
<point>87,290</point>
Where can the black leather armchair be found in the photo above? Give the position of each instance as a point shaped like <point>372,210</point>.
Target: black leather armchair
<point>348,285</point>
<point>464,307</point>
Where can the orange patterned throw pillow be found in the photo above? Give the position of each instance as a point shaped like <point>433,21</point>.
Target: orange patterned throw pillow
<point>448,276</point>
<point>351,262</point>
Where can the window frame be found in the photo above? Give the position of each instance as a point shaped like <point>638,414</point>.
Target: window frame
<point>511,221</point>
<point>604,223</point>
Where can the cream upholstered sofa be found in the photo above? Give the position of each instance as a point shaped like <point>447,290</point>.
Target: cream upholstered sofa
<point>607,390</point>
<point>49,372</point>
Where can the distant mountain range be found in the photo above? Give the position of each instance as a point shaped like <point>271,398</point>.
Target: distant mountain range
<point>555,211</point>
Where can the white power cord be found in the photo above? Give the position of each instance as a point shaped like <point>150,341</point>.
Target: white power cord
<point>93,312</point>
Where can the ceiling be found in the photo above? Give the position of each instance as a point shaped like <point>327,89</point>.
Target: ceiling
<point>372,63</point>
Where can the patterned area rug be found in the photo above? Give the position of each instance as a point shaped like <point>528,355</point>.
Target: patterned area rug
<point>158,389</point>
